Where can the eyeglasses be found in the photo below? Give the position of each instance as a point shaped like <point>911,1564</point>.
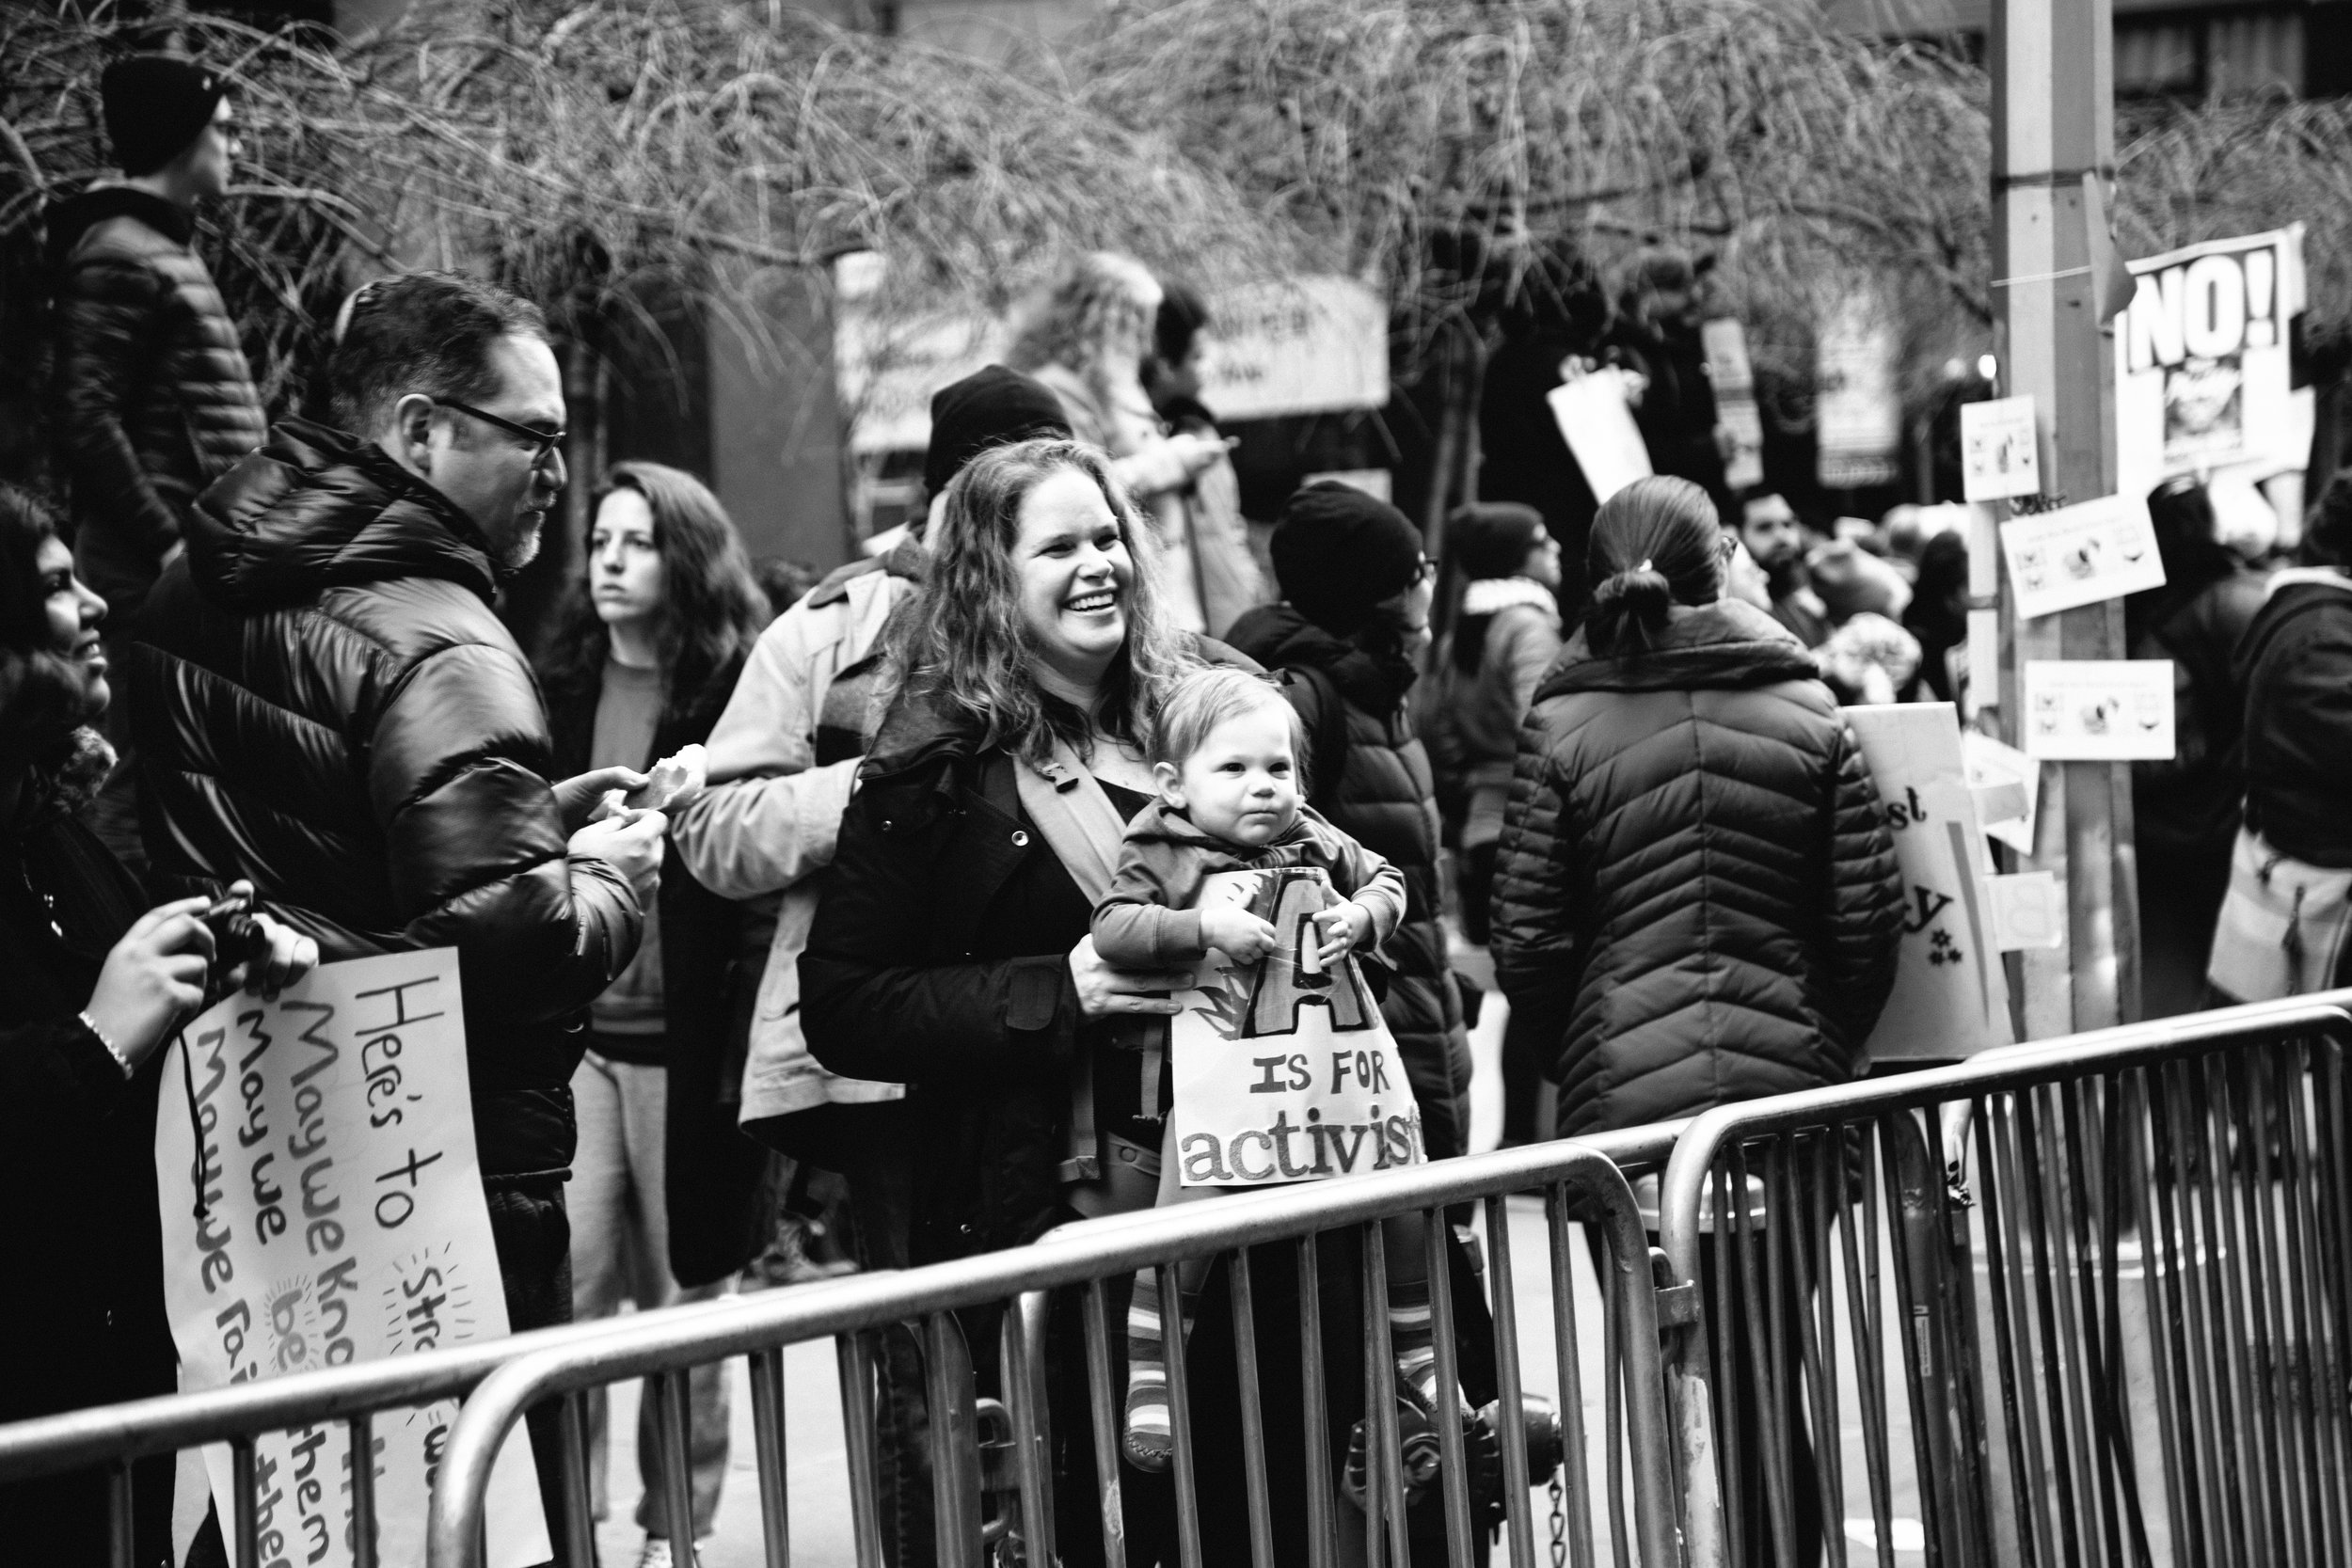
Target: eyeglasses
<point>543,442</point>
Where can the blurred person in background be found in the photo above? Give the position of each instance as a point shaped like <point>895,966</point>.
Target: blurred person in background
<point>1230,581</point>
<point>667,1198</point>
<point>2185,811</point>
<point>1868,656</point>
<point>154,398</point>
<point>1698,901</point>
<point>1937,616</point>
<point>1504,635</point>
<point>1553,321</point>
<point>1351,630</point>
<point>97,982</point>
<point>1776,540</point>
<point>1657,336</point>
<point>1088,336</point>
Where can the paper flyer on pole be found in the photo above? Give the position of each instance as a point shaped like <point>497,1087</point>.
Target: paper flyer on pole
<point>2079,555</point>
<point>2201,361</point>
<point>2099,709</point>
<point>1951,995</point>
<point>2000,454</point>
<point>1284,1071</point>
<point>1597,424</point>
<point>322,1204</point>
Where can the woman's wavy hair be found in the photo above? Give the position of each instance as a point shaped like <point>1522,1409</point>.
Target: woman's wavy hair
<point>1656,544</point>
<point>1101,302</point>
<point>43,697</point>
<point>711,605</point>
<point>965,636</point>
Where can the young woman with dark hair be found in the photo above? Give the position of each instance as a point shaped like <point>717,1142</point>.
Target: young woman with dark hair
<point>1697,901</point>
<point>96,983</point>
<point>644,660</point>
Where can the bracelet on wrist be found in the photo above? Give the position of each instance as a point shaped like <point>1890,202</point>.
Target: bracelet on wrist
<point>112,1050</point>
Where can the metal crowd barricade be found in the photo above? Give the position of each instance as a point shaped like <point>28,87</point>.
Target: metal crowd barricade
<point>2079,1303</point>
<point>1576,1180</point>
<point>116,1437</point>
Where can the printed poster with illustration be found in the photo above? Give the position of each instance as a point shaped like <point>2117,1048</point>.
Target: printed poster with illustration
<point>1285,1072</point>
<point>322,1204</point>
<point>2202,362</point>
<point>1951,995</point>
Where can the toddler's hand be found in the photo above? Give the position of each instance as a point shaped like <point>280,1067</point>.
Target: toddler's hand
<point>1343,928</point>
<point>1236,933</point>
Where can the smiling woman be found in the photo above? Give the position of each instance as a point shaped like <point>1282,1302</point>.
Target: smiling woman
<point>950,952</point>
<point>94,985</point>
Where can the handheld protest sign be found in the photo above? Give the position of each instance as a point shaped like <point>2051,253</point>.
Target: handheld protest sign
<point>322,1204</point>
<point>1951,994</point>
<point>1283,1070</point>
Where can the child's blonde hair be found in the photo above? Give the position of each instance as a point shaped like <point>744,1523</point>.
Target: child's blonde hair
<point>1205,699</point>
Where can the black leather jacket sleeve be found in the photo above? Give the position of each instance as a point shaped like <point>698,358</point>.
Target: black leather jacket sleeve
<point>876,1005</point>
<point>108,315</point>
<point>477,847</point>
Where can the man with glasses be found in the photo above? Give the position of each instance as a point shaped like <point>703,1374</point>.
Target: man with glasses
<point>329,706</point>
<point>153,398</point>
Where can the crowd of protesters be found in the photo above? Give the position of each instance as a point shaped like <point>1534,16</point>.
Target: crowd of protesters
<point>876,891</point>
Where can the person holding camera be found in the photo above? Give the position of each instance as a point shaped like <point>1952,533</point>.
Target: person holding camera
<point>96,983</point>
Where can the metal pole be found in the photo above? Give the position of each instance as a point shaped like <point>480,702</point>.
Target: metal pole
<point>2053,122</point>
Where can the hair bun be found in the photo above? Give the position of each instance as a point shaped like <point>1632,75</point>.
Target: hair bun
<point>1628,609</point>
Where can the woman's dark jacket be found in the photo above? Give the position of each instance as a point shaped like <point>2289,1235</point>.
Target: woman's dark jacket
<point>326,703</point>
<point>712,950</point>
<point>1697,895</point>
<point>1385,799</point>
<point>83,1312</point>
<point>940,959</point>
<point>2296,667</point>
<point>2187,806</point>
<point>154,400</point>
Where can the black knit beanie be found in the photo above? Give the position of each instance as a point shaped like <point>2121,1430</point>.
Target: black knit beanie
<point>1338,552</point>
<point>990,407</point>
<point>155,105</point>
<point>1492,539</point>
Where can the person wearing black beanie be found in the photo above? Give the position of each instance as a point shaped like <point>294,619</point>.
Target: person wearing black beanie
<point>153,396</point>
<point>1346,637</point>
<point>990,407</point>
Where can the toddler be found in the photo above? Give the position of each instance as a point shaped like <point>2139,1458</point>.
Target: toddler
<point>1225,753</point>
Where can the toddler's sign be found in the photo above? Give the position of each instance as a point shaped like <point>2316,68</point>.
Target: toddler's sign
<point>1284,1071</point>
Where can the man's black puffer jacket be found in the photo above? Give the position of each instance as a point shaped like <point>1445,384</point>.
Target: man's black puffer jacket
<point>1696,894</point>
<point>326,704</point>
<point>1386,799</point>
<point>154,400</point>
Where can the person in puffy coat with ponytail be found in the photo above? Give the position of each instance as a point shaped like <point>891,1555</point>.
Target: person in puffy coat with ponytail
<point>1696,896</point>
<point>1696,888</point>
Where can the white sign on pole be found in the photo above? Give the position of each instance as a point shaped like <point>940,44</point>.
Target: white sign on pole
<point>1284,1070</point>
<point>2028,910</point>
<point>2201,374</point>
<point>322,1204</point>
<point>2080,555</point>
<point>2099,709</point>
<point>1950,996</point>
<point>1596,420</point>
<point>2006,784</point>
<point>2000,455</point>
